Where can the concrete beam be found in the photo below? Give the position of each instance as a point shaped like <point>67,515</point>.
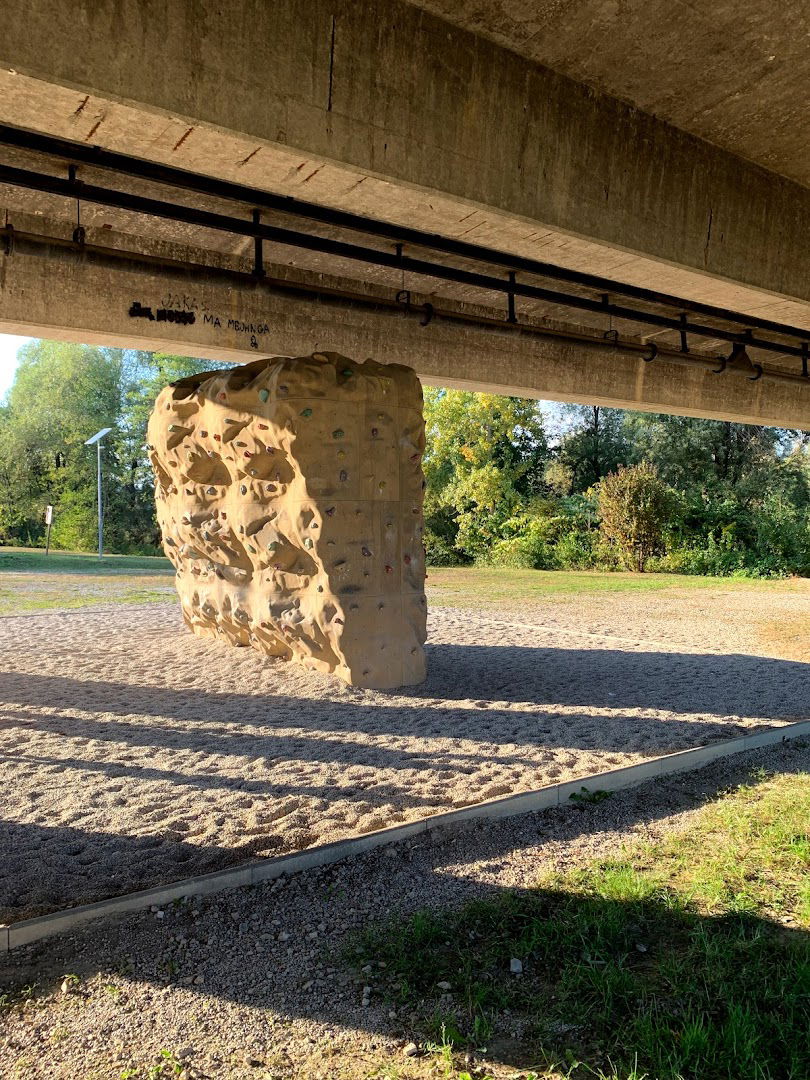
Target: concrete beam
<point>78,296</point>
<point>379,107</point>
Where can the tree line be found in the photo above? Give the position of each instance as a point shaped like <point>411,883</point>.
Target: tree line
<point>509,482</point>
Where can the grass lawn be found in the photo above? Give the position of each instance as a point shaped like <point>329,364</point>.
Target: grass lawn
<point>686,959</point>
<point>31,581</point>
<point>457,586</point>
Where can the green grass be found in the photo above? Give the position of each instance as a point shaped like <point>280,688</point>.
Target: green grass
<point>32,581</point>
<point>679,960</point>
<point>34,560</point>
<point>483,587</point>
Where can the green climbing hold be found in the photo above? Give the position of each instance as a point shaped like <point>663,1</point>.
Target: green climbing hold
<point>347,372</point>
<point>264,395</point>
<point>306,412</point>
<point>338,433</point>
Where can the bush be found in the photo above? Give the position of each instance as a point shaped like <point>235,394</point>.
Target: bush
<point>635,508</point>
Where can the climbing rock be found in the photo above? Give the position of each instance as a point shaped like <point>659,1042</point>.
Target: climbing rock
<point>302,540</point>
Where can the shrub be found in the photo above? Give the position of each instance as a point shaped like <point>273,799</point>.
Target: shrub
<point>635,508</point>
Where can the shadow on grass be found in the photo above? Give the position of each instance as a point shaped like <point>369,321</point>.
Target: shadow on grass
<point>618,978</point>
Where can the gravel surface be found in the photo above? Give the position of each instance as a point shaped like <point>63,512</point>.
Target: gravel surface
<point>133,754</point>
<point>251,983</point>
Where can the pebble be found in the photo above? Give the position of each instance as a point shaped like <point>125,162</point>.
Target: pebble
<point>516,966</point>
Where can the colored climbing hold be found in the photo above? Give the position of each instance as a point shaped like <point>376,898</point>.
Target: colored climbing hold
<point>203,434</point>
<point>374,432</point>
<point>381,485</point>
<point>389,569</point>
<point>211,491</point>
<point>366,552</point>
<point>341,455</point>
<point>283,389</point>
<point>243,489</point>
<point>218,438</point>
<point>264,395</point>
<point>248,453</point>
<point>338,433</point>
<point>308,542</point>
<point>347,372</point>
<point>306,412</point>
<point>329,511</point>
<point>344,476</point>
<point>222,396</point>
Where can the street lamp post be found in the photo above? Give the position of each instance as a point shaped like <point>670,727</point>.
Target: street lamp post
<point>99,435</point>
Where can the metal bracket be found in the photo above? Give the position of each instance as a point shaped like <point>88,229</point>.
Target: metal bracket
<point>258,248</point>
<point>653,353</point>
<point>510,300</point>
<point>684,344</point>
<point>79,233</point>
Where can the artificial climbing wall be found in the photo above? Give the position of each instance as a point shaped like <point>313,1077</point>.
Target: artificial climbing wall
<point>289,495</point>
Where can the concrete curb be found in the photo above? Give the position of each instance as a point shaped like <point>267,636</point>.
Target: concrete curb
<point>250,873</point>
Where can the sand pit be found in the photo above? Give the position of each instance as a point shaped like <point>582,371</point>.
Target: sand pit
<point>114,781</point>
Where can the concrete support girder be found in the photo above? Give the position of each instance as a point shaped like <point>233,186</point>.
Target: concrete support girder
<point>75,296</point>
<point>379,107</point>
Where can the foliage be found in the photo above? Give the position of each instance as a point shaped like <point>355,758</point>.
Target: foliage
<point>635,507</point>
<point>508,483</point>
<point>61,395</point>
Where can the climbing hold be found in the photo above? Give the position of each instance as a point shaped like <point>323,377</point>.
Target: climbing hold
<point>222,396</point>
<point>407,560</point>
<point>211,491</point>
<point>344,476</point>
<point>329,511</point>
<point>264,394</point>
<point>374,432</point>
<point>308,542</point>
<point>283,389</point>
<point>218,438</point>
<point>248,453</point>
<point>389,569</point>
<point>243,489</point>
<point>306,412</point>
<point>338,433</point>
<point>366,552</point>
<point>203,434</point>
<point>347,372</point>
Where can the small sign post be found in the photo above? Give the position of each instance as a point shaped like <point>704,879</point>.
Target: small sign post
<point>48,522</point>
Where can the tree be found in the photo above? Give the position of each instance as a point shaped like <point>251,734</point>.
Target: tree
<point>61,395</point>
<point>484,459</point>
<point>635,507</point>
<point>595,444</point>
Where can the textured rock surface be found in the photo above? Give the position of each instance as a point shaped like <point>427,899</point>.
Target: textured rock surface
<point>289,494</point>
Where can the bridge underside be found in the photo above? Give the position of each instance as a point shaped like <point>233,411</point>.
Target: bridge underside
<point>468,212</point>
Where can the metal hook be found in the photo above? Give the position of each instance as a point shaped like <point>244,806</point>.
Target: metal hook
<point>428,310</point>
<point>653,353</point>
<point>759,372</point>
<point>612,335</point>
<point>722,368</point>
<point>404,297</point>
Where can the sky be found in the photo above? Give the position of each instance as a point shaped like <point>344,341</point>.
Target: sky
<point>8,360</point>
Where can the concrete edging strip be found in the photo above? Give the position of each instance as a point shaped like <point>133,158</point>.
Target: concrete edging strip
<point>251,873</point>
